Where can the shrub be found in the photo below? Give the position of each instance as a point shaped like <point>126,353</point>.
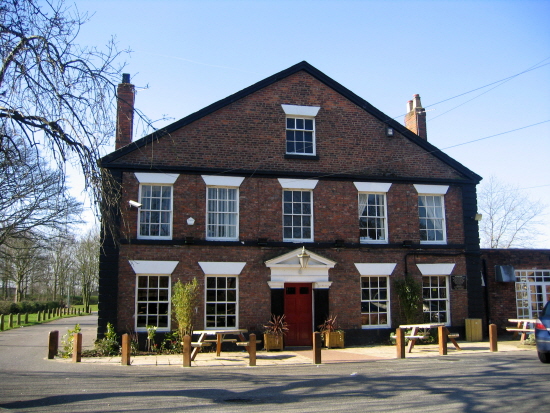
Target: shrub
<point>67,342</point>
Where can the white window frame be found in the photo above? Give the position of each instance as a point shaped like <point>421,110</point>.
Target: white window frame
<point>216,302</point>
<point>377,189</point>
<point>153,269</point>
<point>216,270</point>
<point>212,216</point>
<point>379,270</point>
<point>292,215</point>
<point>446,300</point>
<point>303,185</point>
<point>433,191</point>
<point>158,302</point>
<point>304,113</point>
<point>222,182</point>
<point>156,179</point>
<point>532,292</point>
<point>374,300</point>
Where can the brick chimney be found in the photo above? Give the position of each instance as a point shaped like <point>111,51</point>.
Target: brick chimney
<point>124,112</point>
<point>415,119</point>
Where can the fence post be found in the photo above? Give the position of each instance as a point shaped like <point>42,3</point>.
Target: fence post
<point>317,348</point>
<point>400,342</point>
<point>442,338</point>
<point>252,350</point>
<point>53,341</point>
<point>187,350</point>
<point>493,337</point>
<point>77,347</point>
<point>126,350</point>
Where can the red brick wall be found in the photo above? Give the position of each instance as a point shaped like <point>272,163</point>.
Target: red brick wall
<point>501,296</point>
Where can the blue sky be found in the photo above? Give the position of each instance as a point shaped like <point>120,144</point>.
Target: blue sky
<point>190,54</point>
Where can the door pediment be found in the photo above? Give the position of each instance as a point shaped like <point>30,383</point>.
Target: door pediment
<point>286,268</point>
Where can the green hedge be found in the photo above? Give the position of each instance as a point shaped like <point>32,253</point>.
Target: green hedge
<point>9,307</point>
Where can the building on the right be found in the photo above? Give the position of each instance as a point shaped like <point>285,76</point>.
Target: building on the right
<point>516,284</point>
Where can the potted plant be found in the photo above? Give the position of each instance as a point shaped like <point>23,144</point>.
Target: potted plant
<point>274,332</point>
<point>331,335</point>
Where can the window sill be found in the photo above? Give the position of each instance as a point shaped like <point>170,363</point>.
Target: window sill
<point>308,157</point>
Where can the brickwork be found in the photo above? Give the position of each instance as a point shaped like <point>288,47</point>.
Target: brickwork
<point>246,138</point>
<point>501,296</point>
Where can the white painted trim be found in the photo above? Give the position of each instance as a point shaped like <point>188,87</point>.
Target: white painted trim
<point>295,110</point>
<point>298,183</point>
<point>372,186</point>
<point>153,267</point>
<point>322,285</point>
<point>431,189</point>
<point>375,268</point>
<point>155,178</point>
<point>222,268</point>
<point>276,285</point>
<point>436,269</point>
<point>218,180</point>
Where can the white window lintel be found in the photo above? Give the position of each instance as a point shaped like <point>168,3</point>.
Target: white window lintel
<point>222,268</point>
<point>375,268</point>
<point>218,180</point>
<point>436,269</point>
<point>297,110</point>
<point>372,186</point>
<point>431,189</point>
<point>156,178</point>
<point>298,183</point>
<point>153,267</point>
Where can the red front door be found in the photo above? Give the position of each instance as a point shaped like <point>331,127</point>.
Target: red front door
<point>298,312</point>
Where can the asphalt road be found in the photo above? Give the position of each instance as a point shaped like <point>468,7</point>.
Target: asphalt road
<point>488,382</point>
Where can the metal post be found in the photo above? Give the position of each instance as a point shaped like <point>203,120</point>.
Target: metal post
<point>493,337</point>
<point>316,348</point>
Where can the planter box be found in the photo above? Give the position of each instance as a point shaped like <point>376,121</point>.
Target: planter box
<point>334,339</point>
<point>273,342</point>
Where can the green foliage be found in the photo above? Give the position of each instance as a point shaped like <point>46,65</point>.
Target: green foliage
<point>184,300</point>
<point>277,325</point>
<point>171,343</point>
<point>108,345</point>
<point>67,342</point>
<point>409,294</point>
<point>31,307</point>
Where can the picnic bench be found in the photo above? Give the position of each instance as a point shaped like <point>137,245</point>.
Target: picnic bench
<point>522,325</point>
<point>422,332</point>
<point>220,338</point>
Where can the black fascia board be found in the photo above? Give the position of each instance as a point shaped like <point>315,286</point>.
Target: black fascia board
<point>316,73</point>
<point>286,174</point>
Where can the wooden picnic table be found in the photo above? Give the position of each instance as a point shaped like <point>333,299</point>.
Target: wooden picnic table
<point>522,326</point>
<point>422,331</point>
<point>220,338</point>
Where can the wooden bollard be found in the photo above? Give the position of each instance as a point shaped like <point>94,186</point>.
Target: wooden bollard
<point>316,348</point>
<point>493,340</point>
<point>26,318</point>
<point>400,343</point>
<point>187,350</point>
<point>18,319</point>
<point>1,322</point>
<point>252,350</point>
<point>442,338</point>
<point>126,350</point>
<point>53,341</point>
<point>10,321</point>
<point>77,347</point>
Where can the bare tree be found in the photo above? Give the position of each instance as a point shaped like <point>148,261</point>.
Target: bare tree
<point>55,93</point>
<point>510,219</point>
<point>87,265</point>
<point>34,201</point>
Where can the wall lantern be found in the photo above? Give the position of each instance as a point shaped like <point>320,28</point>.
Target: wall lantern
<point>303,257</point>
<point>190,221</point>
<point>134,204</point>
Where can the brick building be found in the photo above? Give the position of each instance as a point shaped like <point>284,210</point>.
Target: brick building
<point>516,283</point>
<point>292,196</point>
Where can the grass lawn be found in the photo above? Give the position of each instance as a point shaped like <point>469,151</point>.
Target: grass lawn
<point>33,318</point>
